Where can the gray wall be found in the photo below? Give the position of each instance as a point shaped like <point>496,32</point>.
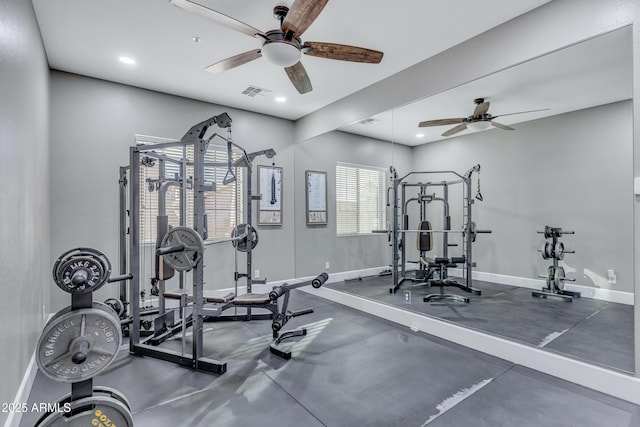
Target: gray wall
<point>24,225</point>
<point>572,170</point>
<point>93,123</point>
<point>316,245</point>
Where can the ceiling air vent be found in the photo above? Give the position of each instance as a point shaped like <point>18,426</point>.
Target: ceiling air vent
<point>369,121</point>
<point>253,91</point>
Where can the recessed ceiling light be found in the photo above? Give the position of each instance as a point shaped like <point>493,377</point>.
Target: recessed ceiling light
<point>281,99</point>
<point>127,60</point>
<point>195,39</point>
<point>419,135</point>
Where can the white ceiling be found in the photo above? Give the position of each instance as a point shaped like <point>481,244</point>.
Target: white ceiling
<point>87,36</point>
<point>594,72</point>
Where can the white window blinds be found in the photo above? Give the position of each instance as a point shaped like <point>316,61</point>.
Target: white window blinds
<point>360,193</point>
<point>224,207</point>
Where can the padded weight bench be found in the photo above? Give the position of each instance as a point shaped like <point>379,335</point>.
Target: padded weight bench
<point>281,314</point>
<point>442,264</point>
<point>209,296</point>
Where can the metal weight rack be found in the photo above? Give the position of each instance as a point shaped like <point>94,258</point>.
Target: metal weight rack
<point>554,249</point>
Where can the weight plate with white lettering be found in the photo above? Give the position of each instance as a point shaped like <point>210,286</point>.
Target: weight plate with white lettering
<point>77,345</point>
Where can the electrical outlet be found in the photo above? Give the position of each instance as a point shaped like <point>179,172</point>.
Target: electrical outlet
<point>257,275</point>
<point>326,265</point>
<point>611,276</point>
<point>407,297</point>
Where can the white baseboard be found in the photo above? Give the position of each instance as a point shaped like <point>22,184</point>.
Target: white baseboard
<point>609,295</point>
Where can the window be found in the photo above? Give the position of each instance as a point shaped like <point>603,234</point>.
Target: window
<point>224,207</point>
<point>360,205</point>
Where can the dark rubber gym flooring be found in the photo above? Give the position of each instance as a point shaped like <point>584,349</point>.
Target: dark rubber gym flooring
<point>352,369</point>
<point>595,331</point>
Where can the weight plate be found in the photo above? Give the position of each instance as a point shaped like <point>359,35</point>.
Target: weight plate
<point>558,251</point>
<point>190,256</point>
<point>81,270</point>
<point>559,278</point>
<point>550,277</point>
<point>548,232</point>
<point>549,249</point>
<point>98,305</point>
<point>111,392</point>
<point>544,250</point>
<point>98,410</point>
<point>242,244</point>
<point>116,305</point>
<point>77,345</point>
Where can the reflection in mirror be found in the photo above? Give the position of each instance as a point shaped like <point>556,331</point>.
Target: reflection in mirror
<point>357,173</point>
<point>564,161</point>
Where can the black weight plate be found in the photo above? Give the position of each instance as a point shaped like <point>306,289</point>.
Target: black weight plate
<point>190,256</point>
<point>90,264</point>
<point>243,244</point>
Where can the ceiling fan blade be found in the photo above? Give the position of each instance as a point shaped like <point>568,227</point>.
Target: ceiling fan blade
<point>234,61</point>
<point>501,126</point>
<point>440,122</point>
<point>301,15</point>
<point>520,112</point>
<point>299,77</point>
<point>455,129</point>
<point>481,109</point>
<point>343,52</point>
<point>218,17</point>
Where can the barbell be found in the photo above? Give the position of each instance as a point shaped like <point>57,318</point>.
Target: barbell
<point>474,231</point>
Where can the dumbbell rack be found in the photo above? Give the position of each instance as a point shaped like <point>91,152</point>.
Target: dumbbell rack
<point>554,249</point>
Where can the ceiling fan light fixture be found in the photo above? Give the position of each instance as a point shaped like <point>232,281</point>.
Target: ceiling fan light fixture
<point>281,53</point>
<point>479,125</point>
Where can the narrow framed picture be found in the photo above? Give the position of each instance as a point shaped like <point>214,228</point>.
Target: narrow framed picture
<point>316,184</point>
<point>270,190</point>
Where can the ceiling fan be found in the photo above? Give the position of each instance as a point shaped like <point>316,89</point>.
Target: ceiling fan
<point>283,46</point>
<point>479,120</point>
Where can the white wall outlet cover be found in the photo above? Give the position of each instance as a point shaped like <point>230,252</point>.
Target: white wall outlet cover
<point>636,185</point>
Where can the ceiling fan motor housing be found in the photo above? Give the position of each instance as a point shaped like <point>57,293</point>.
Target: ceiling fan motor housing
<point>279,50</point>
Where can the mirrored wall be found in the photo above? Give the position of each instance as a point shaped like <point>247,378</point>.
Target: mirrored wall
<point>566,162</point>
